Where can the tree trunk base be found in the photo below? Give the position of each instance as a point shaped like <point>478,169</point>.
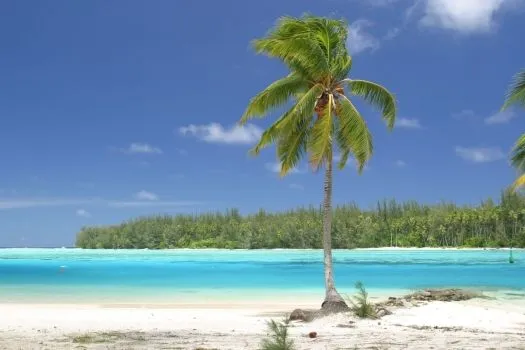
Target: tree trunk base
<point>334,303</point>
<point>333,307</point>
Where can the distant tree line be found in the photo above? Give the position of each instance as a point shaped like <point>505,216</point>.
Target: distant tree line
<point>390,223</point>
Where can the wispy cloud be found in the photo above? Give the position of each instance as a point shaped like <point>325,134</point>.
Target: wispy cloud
<point>141,148</point>
<point>408,123</point>
<point>400,163</point>
<point>359,40</point>
<point>276,168</point>
<point>216,133</point>
<point>15,203</point>
<point>501,117</point>
<point>36,202</point>
<point>465,114</point>
<point>463,16</point>
<point>146,196</point>
<point>85,184</point>
<point>176,176</point>
<point>8,191</point>
<point>134,204</point>
<point>380,3</point>
<point>480,155</point>
<point>392,33</point>
<point>83,213</point>
<point>296,187</point>
<point>182,152</point>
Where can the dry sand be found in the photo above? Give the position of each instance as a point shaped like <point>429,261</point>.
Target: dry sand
<point>473,324</point>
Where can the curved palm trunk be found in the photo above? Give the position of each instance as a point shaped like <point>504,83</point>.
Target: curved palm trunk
<point>333,301</point>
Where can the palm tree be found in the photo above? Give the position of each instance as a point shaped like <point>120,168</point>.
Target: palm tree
<point>320,117</point>
<point>516,95</point>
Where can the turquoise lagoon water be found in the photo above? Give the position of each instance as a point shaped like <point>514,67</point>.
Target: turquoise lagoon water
<point>172,276</point>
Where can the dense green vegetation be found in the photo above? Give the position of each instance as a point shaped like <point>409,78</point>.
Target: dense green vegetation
<point>389,224</point>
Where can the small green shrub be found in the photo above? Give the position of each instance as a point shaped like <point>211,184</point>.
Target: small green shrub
<point>361,306</point>
<point>278,338</point>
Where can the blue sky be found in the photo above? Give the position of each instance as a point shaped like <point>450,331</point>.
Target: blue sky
<point>115,109</point>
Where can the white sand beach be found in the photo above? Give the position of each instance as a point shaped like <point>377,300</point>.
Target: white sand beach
<point>473,324</point>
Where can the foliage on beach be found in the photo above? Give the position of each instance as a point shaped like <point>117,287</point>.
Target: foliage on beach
<point>361,306</point>
<point>320,117</point>
<point>278,338</point>
<point>390,223</point>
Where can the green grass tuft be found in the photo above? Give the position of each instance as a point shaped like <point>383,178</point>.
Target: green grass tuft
<point>278,338</point>
<point>361,306</point>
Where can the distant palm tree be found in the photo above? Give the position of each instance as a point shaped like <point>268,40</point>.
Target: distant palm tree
<point>320,117</point>
<point>516,95</point>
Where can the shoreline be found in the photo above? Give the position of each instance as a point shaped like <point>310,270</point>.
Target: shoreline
<point>262,249</point>
<point>237,299</point>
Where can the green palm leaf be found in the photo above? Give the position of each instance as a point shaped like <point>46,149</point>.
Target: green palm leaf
<point>271,134</point>
<point>320,143</point>
<point>516,93</point>
<point>275,95</point>
<point>292,140</point>
<point>353,135</point>
<point>292,145</point>
<point>518,154</point>
<point>376,95</point>
<point>520,182</point>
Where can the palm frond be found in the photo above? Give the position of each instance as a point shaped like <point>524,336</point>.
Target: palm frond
<point>271,134</point>
<point>341,66</point>
<point>320,142</point>
<point>520,182</point>
<point>518,154</point>
<point>301,55</point>
<point>291,146</point>
<point>275,95</point>
<point>376,95</point>
<point>353,135</point>
<point>307,45</point>
<point>292,141</point>
<point>516,92</point>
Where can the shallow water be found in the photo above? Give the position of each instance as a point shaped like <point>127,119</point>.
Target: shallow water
<point>173,276</point>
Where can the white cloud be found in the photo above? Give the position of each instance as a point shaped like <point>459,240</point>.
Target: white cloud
<point>359,39</point>
<point>141,148</point>
<point>35,202</point>
<point>296,187</point>
<point>480,155</point>
<point>182,152</point>
<point>408,123</point>
<point>392,33</point>
<point>466,114</point>
<point>464,16</point>
<point>85,184</point>
<point>400,163</point>
<point>134,204</point>
<point>176,176</point>
<point>216,133</point>
<point>146,196</point>
<point>16,203</point>
<point>378,3</point>
<point>501,117</point>
<point>276,168</point>
<point>83,213</point>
